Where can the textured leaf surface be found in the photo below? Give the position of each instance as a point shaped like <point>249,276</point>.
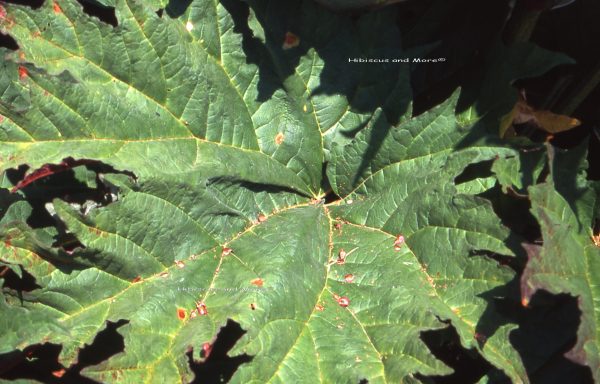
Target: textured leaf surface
<point>227,115</point>
<point>568,260</point>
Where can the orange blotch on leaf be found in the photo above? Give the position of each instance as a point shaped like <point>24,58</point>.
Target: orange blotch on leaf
<point>258,282</point>
<point>136,279</point>
<point>181,313</point>
<point>226,251</point>
<point>56,7</point>
<point>59,373</point>
<point>595,238</point>
<point>279,138</point>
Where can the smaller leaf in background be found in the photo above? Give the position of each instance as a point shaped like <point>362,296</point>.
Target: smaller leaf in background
<point>489,95</point>
<point>568,261</point>
<point>544,120</point>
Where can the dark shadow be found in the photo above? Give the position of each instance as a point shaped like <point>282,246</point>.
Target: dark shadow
<point>12,281</point>
<point>82,186</point>
<point>40,362</point>
<point>176,8</point>
<point>74,181</point>
<point>217,366</point>
<point>379,131</point>
<point>34,4</point>
<point>8,42</point>
<point>229,182</point>
<point>101,12</point>
<point>547,330</point>
<point>464,31</point>
<point>475,171</point>
<point>106,344</point>
<point>468,365</point>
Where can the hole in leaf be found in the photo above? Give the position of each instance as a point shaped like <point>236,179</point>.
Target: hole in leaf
<point>77,182</point>
<point>107,343</point>
<point>36,362</point>
<point>218,366</point>
<point>547,330</point>
<point>6,41</point>
<point>160,12</point>
<point>40,362</point>
<point>176,8</point>
<point>474,171</point>
<point>103,13</point>
<point>25,283</point>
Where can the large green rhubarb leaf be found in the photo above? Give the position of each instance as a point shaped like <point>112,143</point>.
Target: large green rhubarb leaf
<point>207,131</point>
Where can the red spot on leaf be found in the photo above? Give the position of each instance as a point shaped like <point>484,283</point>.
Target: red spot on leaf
<point>226,251</point>
<point>2,13</point>
<point>181,313</point>
<point>258,282</point>
<point>290,41</point>
<point>59,373</point>
<point>1,118</point>
<point>319,307</point>
<point>262,218</point>
<point>525,302</point>
<point>202,310</point>
<point>398,242</point>
<point>56,7</point>
<point>22,72</point>
<point>136,279</point>
<point>343,301</point>
<point>349,278</point>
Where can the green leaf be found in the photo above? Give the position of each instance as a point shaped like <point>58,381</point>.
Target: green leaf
<point>521,171</point>
<point>567,262</point>
<point>227,133</point>
<point>427,208</point>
